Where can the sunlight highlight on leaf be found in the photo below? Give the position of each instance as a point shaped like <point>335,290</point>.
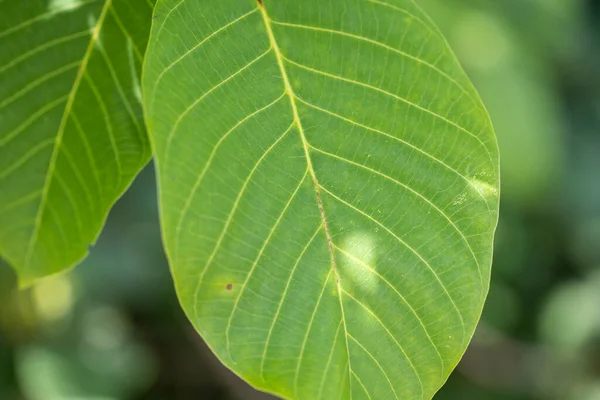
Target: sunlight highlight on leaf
<point>360,265</point>
<point>56,6</point>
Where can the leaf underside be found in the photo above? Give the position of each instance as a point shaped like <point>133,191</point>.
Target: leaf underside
<point>72,136</point>
<point>328,184</point>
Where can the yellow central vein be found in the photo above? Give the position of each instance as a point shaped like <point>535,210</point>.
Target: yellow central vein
<point>291,95</point>
<point>61,131</point>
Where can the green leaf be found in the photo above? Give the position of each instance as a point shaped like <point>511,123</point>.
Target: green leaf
<point>72,135</point>
<point>328,191</point>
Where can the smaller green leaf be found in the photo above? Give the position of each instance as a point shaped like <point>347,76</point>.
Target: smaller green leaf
<point>72,136</point>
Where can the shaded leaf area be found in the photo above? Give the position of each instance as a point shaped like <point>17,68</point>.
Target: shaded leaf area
<point>72,136</point>
<point>328,183</point>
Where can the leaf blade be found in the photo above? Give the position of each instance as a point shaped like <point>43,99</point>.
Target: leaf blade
<point>78,63</point>
<point>338,180</point>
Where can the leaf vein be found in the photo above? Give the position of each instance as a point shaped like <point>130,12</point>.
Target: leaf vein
<point>48,45</point>
<point>329,358</point>
<point>126,33</point>
<point>379,44</point>
<point>283,297</point>
<point>61,130</point>
<point>88,150</point>
<point>230,218</point>
<point>416,193</point>
<point>108,123</point>
<point>32,152</point>
<point>404,300</point>
<point>32,118</point>
<point>168,68</point>
<point>255,264</point>
<point>32,85</point>
<point>415,252</point>
<point>290,92</point>
<point>376,318</point>
<point>21,200</point>
<point>360,125</point>
<point>43,16</point>
<point>203,96</point>
<point>361,384</point>
<point>377,363</point>
<point>402,99</point>
<point>198,182</point>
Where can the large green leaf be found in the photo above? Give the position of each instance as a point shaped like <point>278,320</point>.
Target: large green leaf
<point>328,191</point>
<point>72,135</point>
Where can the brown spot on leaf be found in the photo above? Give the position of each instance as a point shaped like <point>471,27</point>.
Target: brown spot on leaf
<point>260,2</point>
<point>229,286</point>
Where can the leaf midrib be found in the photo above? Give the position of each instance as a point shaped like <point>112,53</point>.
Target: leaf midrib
<point>290,92</point>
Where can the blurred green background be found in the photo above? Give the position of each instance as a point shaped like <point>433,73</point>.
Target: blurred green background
<point>112,329</point>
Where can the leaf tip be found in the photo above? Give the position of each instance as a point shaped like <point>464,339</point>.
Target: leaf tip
<point>25,282</point>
